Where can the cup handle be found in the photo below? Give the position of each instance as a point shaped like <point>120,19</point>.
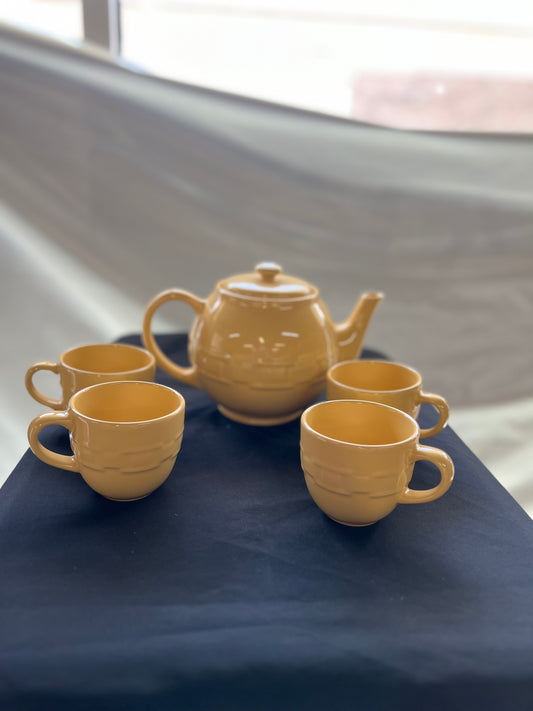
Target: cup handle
<point>443,408</point>
<point>30,387</point>
<point>186,375</point>
<point>446,468</point>
<point>46,455</point>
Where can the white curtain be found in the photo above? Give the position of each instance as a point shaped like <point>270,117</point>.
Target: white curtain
<point>116,185</point>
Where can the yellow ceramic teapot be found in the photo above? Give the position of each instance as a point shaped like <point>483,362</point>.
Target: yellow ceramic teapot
<point>261,343</point>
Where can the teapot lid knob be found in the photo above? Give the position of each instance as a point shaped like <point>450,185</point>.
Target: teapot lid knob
<point>268,270</point>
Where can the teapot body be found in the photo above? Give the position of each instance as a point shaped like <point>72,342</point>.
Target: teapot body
<point>262,362</point>
<point>261,343</point>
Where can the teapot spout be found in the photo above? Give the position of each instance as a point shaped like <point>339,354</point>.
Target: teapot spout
<point>350,333</point>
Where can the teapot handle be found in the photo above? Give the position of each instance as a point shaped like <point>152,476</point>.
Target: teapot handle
<point>186,375</point>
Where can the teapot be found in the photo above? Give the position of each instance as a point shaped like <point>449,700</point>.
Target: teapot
<point>261,343</point>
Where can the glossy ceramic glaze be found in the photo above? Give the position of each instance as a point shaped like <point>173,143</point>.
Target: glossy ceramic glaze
<point>389,383</point>
<point>261,343</point>
<point>89,365</point>
<point>125,437</point>
<point>358,459</point>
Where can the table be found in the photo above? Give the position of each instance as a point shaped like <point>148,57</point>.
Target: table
<point>228,589</point>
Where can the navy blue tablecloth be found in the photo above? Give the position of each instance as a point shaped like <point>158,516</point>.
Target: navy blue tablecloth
<point>228,589</point>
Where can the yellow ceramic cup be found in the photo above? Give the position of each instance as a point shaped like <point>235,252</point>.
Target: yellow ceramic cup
<point>358,459</point>
<point>125,437</point>
<point>89,365</point>
<point>388,383</point>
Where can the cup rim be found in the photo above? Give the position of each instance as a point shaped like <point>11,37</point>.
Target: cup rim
<point>129,346</point>
<point>400,413</point>
<point>403,366</point>
<point>129,383</point>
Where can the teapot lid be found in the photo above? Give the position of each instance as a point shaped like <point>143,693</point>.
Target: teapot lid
<point>268,282</point>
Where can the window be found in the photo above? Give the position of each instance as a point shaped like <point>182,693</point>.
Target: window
<point>57,18</point>
<point>459,65</point>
